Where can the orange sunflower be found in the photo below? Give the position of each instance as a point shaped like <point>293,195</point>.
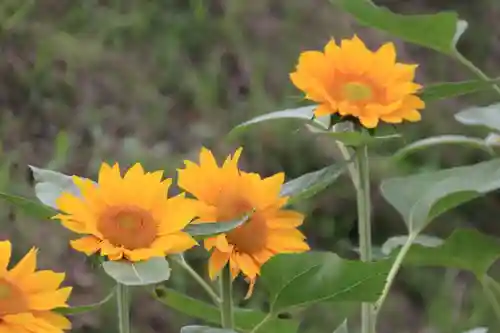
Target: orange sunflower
<point>129,217</point>
<point>353,81</point>
<point>28,297</point>
<point>226,193</point>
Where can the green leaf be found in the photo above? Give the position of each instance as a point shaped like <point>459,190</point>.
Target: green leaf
<point>207,229</point>
<point>397,241</point>
<point>436,31</point>
<point>30,208</point>
<point>51,184</point>
<point>311,183</point>
<point>304,114</point>
<point>445,90</point>
<point>139,273</point>
<point>465,249</point>
<point>204,329</point>
<point>342,328</point>
<point>245,319</point>
<point>420,198</point>
<point>487,116</point>
<point>85,308</point>
<point>443,140</point>
<point>295,280</point>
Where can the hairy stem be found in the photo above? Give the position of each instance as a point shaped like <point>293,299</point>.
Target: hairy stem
<point>226,305</point>
<point>123,308</point>
<point>208,289</point>
<point>364,227</point>
<point>479,73</point>
<point>394,271</point>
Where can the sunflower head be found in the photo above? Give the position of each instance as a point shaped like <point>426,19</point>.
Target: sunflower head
<point>350,80</point>
<point>226,193</point>
<point>28,297</point>
<point>128,217</point>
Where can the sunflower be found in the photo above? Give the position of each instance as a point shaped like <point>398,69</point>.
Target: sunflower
<point>226,193</point>
<point>353,81</point>
<point>127,218</point>
<point>28,297</point>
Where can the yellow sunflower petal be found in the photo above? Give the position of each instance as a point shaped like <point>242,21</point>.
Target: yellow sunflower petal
<point>285,219</point>
<point>369,122</point>
<point>251,287</point>
<point>73,225</point>
<point>135,173</point>
<point>412,115</point>
<point>262,193</point>
<point>247,265</point>
<point>217,261</point>
<point>346,108</point>
<point>385,58</point>
<point>177,213</point>
<point>392,119</point>
<point>41,281</point>
<point>70,204</point>
<point>109,249</point>
<point>110,183</point>
<point>5,252</point>
<point>332,50</point>
<point>88,245</point>
<point>312,63</point>
<point>233,266</point>
<point>175,243</point>
<point>263,256</point>
<point>209,243</point>
<point>54,319</point>
<point>404,72</point>
<point>324,110</point>
<point>285,245</point>
<point>49,300</point>
<point>25,266</point>
<point>143,254</point>
<point>354,56</point>
<point>221,243</point>
<point>28,323</point>
<point>5,328</point>
<point>207,159</point>
<point>90,191</point>
<point>232,162</point>
<point>117,256</point>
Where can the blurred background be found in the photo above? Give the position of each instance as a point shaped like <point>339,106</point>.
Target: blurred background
<point>127,80</point>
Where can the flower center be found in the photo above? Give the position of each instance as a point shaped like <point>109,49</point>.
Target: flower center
<point>251,237</point>
<point>356,92</point>
<point>12,299</point>
<point>128,227</point>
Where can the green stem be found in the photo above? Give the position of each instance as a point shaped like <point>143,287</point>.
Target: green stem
<point>257,327</point>
<point>479,73</point>
<point>394,271</point>
<point>182,262</point>
<point>487,287</point>
<point>364,227</point>
<point>351,168</point>
<point>123,307</point>
<point>226,305</point>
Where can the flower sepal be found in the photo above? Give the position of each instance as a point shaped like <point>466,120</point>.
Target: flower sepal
<point>138,273</point>
<point>201,229</point>
<point>349,131</point>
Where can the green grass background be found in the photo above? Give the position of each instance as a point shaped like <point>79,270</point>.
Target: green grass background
<point>153,80</point>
